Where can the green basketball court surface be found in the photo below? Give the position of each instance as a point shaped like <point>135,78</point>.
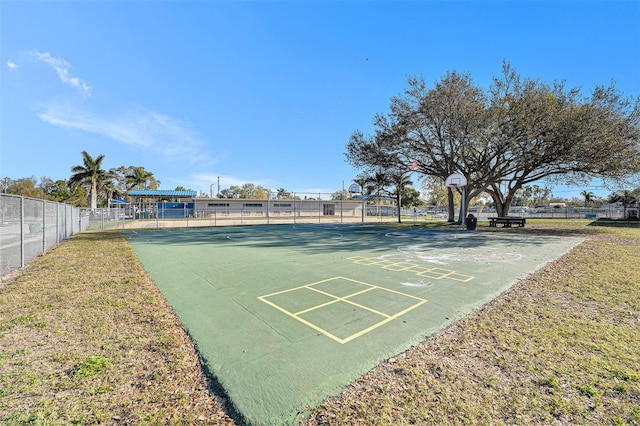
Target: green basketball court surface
<point>285,316</point>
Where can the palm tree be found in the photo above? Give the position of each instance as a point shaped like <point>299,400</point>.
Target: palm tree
<point>375,184</point>
<point>588,197</point>
<point>90,175</point>
<point>138,177</point>
<point>400,181</point>
<point>282,194</point>
<point>360,181</point>
<point>625,197</point>
<point>109,188</point>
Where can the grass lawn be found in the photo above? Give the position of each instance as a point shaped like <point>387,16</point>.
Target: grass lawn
<point>86,338</point>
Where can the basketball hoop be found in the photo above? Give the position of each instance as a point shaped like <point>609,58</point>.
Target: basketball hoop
<point>455,180</point>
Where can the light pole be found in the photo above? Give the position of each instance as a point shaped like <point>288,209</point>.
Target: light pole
<point>211,189</point>
<point>268,212</point>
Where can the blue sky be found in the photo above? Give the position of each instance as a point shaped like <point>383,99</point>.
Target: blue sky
<point>267,92</point>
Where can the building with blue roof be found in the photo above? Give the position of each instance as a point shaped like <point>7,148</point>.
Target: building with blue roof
<point>172,203</point>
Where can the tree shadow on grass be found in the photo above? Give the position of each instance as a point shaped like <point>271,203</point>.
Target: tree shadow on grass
<point>617,223</point>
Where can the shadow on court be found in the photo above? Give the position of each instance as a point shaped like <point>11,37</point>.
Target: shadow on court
<point>318,238</point>
<point>285,316</point>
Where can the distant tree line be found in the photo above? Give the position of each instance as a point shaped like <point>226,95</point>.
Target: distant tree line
<point>517,132</point>
<point>371,191</point>
<point>88,186</point>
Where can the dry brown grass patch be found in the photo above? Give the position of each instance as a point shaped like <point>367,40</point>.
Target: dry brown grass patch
<point>86,338</point>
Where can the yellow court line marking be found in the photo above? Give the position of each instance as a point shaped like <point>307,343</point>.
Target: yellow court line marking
<point>400,266</point>
<point>442,271</point>
<point>313,308</point>
<point>340,299</point>
<point>464,278</point>
<point>430,274</point>
<point>417,269</point>
<point>368,260</point>
<point>335,299</point>
<point>435,273</point>
<point>381,323</point>
<point>310,287</point>
<point>302,320</point>
<point>380,262</point>
<point>387,318</point>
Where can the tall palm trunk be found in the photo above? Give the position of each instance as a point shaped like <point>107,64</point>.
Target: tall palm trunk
<point>94,194</point>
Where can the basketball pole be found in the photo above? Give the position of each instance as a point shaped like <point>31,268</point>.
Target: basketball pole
<point>454,181</point>
<point>464,190</point>
<point>341,198</point>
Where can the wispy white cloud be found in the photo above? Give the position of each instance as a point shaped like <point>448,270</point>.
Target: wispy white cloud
<point>62,69</point>
<point>140,128</point>
<point>12,65</point>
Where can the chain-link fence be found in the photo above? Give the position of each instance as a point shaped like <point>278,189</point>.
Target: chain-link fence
<point>106,218</point>
<point>609,212</point>
<point>223,212</point>
<point>29,227</point>
<point>303,208</point>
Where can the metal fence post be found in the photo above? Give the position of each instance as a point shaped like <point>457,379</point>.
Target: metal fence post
<point>268,198</point>
<point>22,253</point>
<point>43,223</point>
<point>57,224</point>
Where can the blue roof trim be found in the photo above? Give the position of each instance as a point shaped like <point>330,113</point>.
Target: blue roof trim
<point>161,193</point>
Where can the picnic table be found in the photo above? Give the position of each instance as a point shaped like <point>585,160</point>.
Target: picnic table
<point>507,221</point>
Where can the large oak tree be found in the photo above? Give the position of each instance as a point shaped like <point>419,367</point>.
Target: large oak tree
<point>517,132</point>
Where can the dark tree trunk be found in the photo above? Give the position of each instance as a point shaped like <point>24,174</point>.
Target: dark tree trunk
<point>452,207</point>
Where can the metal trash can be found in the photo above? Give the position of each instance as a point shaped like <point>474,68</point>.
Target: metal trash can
<point>471,222</point>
